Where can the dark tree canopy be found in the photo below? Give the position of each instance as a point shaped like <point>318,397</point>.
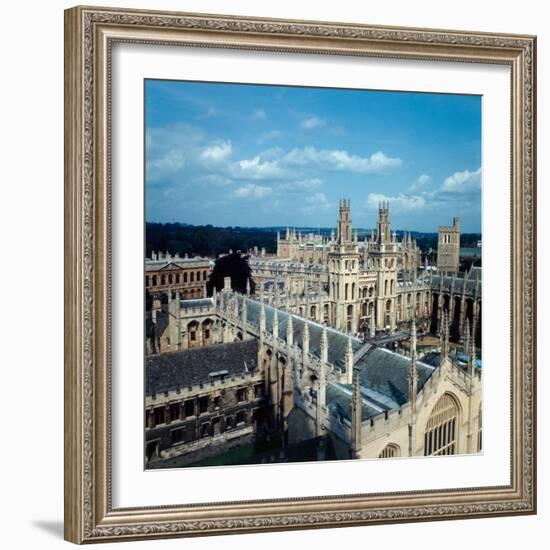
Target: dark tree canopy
<point>206,240</point>
<point>235,266</point>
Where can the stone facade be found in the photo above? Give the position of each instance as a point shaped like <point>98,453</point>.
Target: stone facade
<point>448,248</point>
<point>308,382</point>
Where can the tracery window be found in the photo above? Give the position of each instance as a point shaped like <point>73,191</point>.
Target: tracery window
<point>390,451</point>
<point>441,436</point>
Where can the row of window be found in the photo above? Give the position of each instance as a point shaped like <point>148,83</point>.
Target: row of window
<point>176,278</point>
<point>208,429</point>
<point>441,436</point>
<point>165,414</point>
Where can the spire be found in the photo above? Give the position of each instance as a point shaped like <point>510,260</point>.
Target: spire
<point>289,332</point>
<point>471,351</point>
<point>444,337</point>
<point>467,336</point>
<point>356,414</point>
<point>262,320</point>
<point>244,314</point>
<point>413,385</point>
<point>248,286</point>
<point>275,327</point>
<point>215,296</point>
<point>324,346</point>
<point>276,293</point>
<point>349,360</point>
<point>305,339</point>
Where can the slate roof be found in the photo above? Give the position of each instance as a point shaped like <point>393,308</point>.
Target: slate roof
<point>181,369</point>
<point>473,278</point>
<point>383,373</point>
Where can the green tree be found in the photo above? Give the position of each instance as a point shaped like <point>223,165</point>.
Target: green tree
<point>235,266</point>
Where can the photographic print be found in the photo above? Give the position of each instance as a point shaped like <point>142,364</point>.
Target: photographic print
<point>313,274</point>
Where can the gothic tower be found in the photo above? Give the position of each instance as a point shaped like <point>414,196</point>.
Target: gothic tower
<point>384,255</point>
<point>448,247</point>
<point>343,261</point>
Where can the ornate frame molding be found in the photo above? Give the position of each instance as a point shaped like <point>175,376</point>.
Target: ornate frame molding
<point>89,34</point>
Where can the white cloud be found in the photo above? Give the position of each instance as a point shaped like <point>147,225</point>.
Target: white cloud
<point>218,152</point>
<point>171,161</point>
<point>209,113</point>
<point>251,190</point>
<point>268,136</point>
<point>318,199</point>
<point>312,122</point>
<point>301,185</point>
<point>421,182</point>
<point>259,114</point>
<point>463,182</point>
<point>255,168</point>
<point>399,203</point>
<point>335,159</point>
<point>216,179</point>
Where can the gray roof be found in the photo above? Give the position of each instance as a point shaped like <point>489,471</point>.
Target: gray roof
<point>456,283</point>
<point>182,369</point>
<point>383,373</point>
<point>199,302</point>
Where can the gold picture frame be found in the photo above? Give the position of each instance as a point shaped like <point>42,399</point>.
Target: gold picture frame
<point>89,36</point>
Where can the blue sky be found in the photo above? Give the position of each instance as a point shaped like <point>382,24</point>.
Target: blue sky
<point>232,154</point>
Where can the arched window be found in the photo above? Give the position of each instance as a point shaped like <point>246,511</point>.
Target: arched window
<point>391,450</point>
<point>177,278</point>
<point>441,435</point>
<point>192,276</point>
<point>154,280</point>
<point>162,280</point>
<point>185,277</point>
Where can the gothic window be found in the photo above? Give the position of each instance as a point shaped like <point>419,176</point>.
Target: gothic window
<point>177,435</point>
<point>390,451</point>
<point>385,287</point>
<point>174,411</point>
<point>203,404</point>
<point>441,435</point>
<point>346,292</point>
<point>189,408</point>
<point>240,417</point>
<point>353,291</point>
<point>159,415</point>
<point>241,394</point>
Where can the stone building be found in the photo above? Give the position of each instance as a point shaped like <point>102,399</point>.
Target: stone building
<point>307,382</point>
<point>164,273</point>
<point>359,286</point>
<point>203,401</point>
<point>448,248</point>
